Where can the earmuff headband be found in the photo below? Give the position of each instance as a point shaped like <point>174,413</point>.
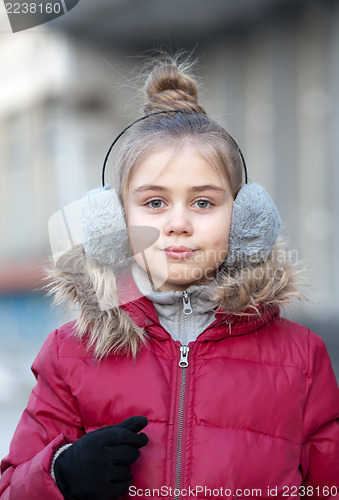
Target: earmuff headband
<point>159,113</point>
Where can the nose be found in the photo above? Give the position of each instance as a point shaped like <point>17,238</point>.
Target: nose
<point>178,222</point>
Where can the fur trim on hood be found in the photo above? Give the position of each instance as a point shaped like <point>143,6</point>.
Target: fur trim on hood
<point>75,279</point>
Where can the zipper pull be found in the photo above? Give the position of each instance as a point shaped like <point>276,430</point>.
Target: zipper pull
<point>183,363</point>
<point>187,309</point>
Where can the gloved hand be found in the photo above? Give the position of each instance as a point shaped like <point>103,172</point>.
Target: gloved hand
<point>97,466</point>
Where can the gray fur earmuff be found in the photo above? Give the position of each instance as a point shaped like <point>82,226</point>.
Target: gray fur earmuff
<point>104,230</point>
<point>255,226</point>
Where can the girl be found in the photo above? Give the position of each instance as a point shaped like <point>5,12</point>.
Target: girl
<point>235,401</point>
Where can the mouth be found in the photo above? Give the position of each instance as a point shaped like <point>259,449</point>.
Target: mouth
<point>179,252</point>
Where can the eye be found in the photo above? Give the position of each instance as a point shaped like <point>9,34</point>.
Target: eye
<point>203,204</point>
<point>155,204</point>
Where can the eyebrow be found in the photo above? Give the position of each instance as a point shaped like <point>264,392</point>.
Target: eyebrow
<point>194,189</point>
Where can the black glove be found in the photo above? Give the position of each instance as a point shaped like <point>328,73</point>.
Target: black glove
<point>97,466</point>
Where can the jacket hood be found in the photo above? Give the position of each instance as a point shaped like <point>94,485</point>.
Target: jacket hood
<point>113,313</point>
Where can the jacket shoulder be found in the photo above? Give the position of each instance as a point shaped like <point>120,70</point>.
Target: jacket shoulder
<point>294,344</point>
<point>300,334</point>
<point>293,328</point>
<point>60,343</point>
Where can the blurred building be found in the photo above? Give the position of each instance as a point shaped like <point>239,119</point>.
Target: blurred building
<point>270,70</point>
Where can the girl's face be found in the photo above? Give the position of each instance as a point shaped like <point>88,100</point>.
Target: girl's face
<point>191,206</point>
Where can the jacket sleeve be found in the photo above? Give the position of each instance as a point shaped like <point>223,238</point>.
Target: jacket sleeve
<point>320,447</point>
<point>50,420</point>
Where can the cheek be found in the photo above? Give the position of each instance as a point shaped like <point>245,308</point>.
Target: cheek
<point>225,225</point>
<point>133,216</point>
<point>126,208</point>
<point>217,230</point>
<point>133,212</point>
<point>217,246</point>
<point>220,248</point>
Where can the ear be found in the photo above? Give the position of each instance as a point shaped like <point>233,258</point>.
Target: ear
<point>255,226</point>
<point>104,230</point>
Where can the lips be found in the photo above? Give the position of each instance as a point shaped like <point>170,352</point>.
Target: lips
<point>179,252</point>
<point>179,249</point>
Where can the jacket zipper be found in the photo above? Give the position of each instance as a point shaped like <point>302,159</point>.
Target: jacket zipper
<point>183,363</point>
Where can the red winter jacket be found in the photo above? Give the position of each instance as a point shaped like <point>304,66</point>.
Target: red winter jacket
<point>253,415</point>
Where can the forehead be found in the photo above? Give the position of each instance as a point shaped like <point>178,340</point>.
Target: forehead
<point>176,166</point>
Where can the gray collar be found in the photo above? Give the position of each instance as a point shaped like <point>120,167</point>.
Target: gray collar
<point>170,307</point>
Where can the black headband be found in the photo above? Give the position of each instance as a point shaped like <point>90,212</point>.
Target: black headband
<point>148,116</point>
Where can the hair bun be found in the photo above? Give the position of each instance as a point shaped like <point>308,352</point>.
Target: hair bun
<point>167,88</point>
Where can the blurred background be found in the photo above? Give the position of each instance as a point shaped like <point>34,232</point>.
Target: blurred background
<point>269,71</point>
